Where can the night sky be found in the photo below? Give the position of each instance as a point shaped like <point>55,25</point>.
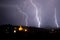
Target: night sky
<point>23,12</point>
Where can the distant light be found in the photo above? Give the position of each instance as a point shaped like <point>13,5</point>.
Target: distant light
<point>14,31</point>
<point>6,31</point>
<point>52,30</point>
<point>15,28</point>
<point>25,30</point>
<point>20,28</point>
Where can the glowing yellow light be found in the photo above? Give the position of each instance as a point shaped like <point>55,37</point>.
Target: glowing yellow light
<point>25,30</point>
<point>20,28</point>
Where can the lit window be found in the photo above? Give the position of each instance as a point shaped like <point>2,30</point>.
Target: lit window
<point>25,30</point>
<point>14,31</point>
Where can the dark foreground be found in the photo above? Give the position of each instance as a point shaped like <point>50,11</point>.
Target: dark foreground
<point>8,33</point>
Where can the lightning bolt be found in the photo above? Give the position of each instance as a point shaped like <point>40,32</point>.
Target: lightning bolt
<point>56,19</point>
<point>36,9</point>
<point>26,19</point>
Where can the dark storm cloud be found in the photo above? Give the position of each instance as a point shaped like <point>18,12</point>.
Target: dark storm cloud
<point>11,15</point>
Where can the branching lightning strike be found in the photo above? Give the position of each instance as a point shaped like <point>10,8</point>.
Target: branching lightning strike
<point>26,19</point>
<point>56,19</point>
<point>36,9</point>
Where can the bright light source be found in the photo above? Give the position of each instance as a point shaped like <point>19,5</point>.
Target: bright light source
<point>25,30</point>
<point>14,31</point>
<point>20,28</point>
